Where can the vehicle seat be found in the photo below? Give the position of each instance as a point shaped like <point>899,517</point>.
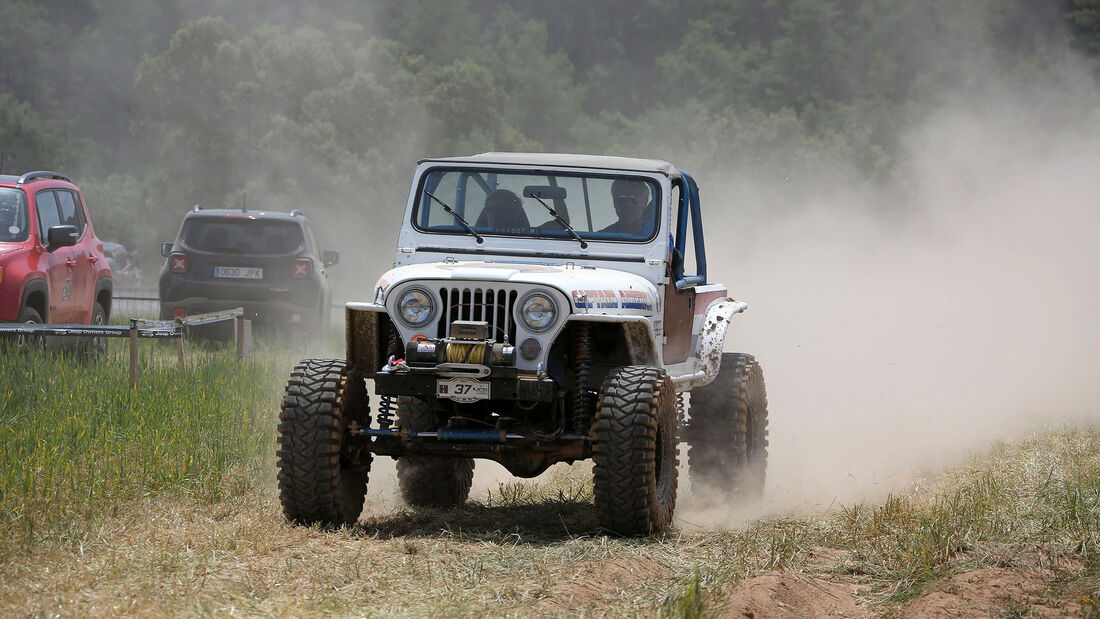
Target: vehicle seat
<point>507,217</point>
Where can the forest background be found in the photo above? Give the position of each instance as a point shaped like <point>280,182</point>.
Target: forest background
<point>155,107</point>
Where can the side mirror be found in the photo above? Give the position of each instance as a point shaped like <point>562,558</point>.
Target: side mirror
<point>165,249</point>
<point>330,258</point>
<point>62,236</point>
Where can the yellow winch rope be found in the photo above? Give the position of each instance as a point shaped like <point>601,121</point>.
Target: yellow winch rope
<point>465,353</point>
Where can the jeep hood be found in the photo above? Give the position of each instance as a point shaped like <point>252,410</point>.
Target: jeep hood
<point>592,290</point>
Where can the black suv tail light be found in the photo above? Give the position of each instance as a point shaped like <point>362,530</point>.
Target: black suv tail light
<point>179,263</point>
<point>301,268</point>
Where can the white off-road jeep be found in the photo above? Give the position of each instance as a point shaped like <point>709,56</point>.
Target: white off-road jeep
<point>537,312</point>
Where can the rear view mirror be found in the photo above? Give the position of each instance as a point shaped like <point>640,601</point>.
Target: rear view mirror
<point>62,236</point>
<point>546,192</point>
<point>165,249</point>
<point>330,258</point>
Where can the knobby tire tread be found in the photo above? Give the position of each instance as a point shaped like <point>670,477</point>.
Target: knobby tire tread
<point>635,451</point>
<point>429,481</point>
<point>728,430</point>
<point>318,481</point>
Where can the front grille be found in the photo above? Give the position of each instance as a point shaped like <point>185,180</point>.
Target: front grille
<point>491,305</point>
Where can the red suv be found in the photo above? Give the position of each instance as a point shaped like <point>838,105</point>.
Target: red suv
<point>52,267</point>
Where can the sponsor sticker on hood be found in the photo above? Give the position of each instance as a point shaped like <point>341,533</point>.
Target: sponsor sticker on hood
<point>613,299</point>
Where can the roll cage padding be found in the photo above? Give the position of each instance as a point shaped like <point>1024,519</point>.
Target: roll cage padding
<point>460,208</point>
<point>689,206</point>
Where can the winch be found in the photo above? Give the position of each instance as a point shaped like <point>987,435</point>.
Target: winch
<point>469,343</point>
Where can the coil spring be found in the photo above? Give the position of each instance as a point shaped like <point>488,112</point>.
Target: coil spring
<point>387,403</point>
<point>386,408</point>
<point>583,402</point>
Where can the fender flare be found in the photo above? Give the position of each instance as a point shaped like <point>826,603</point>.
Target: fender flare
<point>712,339</point>
<point>105,284</point>
<point>641,341</point>
<point>365,348</point>
<point>36,285</point>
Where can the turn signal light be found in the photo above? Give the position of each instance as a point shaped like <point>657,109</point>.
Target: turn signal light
<point>179,263</point>
<point>530,349</point>
<point>301,268</point>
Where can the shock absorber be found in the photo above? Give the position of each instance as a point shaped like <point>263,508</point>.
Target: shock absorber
<point>584,400</point>
<point>386,403</point>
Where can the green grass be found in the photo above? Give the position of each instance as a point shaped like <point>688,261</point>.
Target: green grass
<point>76,441</point>
<point>689,602</point>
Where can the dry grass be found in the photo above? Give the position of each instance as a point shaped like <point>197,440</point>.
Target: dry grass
<point>157,543</point>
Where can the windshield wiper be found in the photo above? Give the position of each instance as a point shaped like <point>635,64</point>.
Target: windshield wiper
<point>452,212</point>
<point>565,224</point>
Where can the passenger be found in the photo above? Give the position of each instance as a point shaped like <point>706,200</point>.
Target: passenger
<point>636,215</point>
<point>503,212</point>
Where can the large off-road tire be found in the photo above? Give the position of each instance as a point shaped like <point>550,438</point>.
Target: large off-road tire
<point>427,481</point>
<point>321,480</point>
<point>728,431</point>
<point>635,451</point>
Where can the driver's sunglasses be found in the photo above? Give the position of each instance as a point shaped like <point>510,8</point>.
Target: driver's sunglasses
<point>626,198</point>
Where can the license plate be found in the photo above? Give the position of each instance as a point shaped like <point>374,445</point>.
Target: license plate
<point>462,389</point>
<point>239,272</point>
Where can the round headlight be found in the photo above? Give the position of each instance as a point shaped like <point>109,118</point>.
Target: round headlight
<point>415,307</point>
<point>538,311</point>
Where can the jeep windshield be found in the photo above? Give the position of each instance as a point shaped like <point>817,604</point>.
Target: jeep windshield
<point>514,203</point>
<point>13,216</point>
<point>242,235</point>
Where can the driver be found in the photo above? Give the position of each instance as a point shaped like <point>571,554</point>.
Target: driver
<point>632,206</point>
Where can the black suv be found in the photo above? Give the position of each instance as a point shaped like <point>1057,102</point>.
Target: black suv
<point>266,262</point>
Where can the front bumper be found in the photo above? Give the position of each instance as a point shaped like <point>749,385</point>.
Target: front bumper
<point>523,453</point>
<point>505,383</point>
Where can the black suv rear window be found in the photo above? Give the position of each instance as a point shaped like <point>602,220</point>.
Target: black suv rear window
<point>242,236</point>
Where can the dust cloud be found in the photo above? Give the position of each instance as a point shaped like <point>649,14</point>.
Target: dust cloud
<point>901,332</point>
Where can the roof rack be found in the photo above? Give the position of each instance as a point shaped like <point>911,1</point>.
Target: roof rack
<point>30,177</point>
<point>196,208</point>
<point>297,213</point>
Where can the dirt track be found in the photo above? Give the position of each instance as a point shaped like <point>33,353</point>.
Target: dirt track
<point>533,549</point>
